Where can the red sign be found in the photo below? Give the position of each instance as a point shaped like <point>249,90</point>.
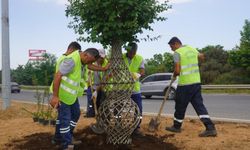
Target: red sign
<point>36,54</point>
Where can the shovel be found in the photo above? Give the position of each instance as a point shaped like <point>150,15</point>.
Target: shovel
<point>155,122</point>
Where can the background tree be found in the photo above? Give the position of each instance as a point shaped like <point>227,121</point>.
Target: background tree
<point>215,65</point>
<point>240,57</point>
<point>159,63</point>
<point>43,71</point>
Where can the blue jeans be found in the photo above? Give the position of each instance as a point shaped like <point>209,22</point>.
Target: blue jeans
<point>67,118</point>
<point>90,105</point>
<point>138,100</point>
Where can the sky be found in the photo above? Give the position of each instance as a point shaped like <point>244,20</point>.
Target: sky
<point>42,25</point>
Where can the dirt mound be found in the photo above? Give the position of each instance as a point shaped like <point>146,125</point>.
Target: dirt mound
<point>18,131</point>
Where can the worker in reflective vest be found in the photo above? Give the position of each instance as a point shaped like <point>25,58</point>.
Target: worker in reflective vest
<point>186,67</point>
<point>94,80</point>
<point>66,88</point>
<point>136,67</point>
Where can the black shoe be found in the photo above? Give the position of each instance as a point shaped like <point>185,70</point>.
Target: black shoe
<point>208,133</point>
<point>138,133</point>
<point>173,129</point>
<point>70,147</point>
<point>56,141</point>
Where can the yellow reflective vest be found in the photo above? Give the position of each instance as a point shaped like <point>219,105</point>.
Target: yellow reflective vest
<point>70,84</point>
<point>134,67</point>
<point>189,73</point>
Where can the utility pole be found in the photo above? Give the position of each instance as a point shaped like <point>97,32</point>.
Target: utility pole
<point>5,55</point>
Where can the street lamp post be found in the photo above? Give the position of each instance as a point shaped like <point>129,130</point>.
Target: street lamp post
<point>5,55</point>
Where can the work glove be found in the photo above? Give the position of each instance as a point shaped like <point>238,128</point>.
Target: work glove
<point>94,95</point>
<point>135,75</point>
<point>173,78</point>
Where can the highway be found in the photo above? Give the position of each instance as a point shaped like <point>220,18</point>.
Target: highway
<point>218,105</point>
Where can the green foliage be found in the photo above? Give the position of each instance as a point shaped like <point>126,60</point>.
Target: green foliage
<point>216,63</point>
<point>42,71</point>
<point>108,21</point>
<point>236,76</point>
<point>245,37</point>
<point>240,57</point>
<point>159,63</point>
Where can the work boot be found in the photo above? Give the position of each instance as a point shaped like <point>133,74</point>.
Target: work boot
<point>55,140</point>
<point>70,147</point>
<point>97,129</point>
<point>76,141</point>
<point>173,129</point>
<point>138,133</point>
<point>208,133</point>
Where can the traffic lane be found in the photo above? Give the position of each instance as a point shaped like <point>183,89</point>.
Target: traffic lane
<point>30,96</point>
<point>218,105</point>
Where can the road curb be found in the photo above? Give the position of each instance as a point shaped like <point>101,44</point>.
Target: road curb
<point>215,119</point>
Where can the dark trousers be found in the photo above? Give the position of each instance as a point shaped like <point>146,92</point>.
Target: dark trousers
<point>138,100</point>
<point>68,115</point>
<point>90,105</point>
<point>192,94</point>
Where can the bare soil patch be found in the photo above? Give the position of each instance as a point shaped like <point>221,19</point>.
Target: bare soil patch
<point>18,131</point>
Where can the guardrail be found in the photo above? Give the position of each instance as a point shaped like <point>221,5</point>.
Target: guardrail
<point>233,86</point>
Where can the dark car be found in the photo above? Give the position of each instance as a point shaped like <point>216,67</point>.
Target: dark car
<point>15,88</point>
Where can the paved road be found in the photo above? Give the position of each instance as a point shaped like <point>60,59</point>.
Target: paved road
<point>218,105</point>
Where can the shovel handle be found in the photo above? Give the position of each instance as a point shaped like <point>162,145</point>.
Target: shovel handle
<point>165,98</point>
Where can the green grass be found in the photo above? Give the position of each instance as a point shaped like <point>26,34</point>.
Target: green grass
<point>227,91</point>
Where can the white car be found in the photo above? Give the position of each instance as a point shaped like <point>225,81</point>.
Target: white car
<point>157,84</point>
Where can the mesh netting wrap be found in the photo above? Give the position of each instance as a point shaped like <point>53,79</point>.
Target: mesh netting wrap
<point>118,114</point>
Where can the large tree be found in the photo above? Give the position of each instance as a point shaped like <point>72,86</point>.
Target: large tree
<point>114,23</point>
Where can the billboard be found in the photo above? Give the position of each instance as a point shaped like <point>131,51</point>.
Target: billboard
<point>35,54</point>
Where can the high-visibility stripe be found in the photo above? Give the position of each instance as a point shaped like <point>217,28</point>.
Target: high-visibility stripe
<point>189,66</point>
<point>190,72</point>
<point>204,116</point>
<point>178,120</point>
<point>57,121</point>
<point>74,92</point>
<point>72,123</point>
<point>66,79</point>
<point>63,129</point>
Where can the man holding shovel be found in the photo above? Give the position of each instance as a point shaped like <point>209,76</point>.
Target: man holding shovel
<point>189,87</point>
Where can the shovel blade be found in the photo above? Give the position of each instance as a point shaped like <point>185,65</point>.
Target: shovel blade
<point>153,124</point>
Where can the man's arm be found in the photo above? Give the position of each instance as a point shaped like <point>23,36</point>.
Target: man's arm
<point>142,68</point>
<point>65,67</point>
<point>177,69</point>
<point>201,57</point>
<point>98,68</point>
<point>177,66</point>
<point>56,83</point>
<point>54,102</point>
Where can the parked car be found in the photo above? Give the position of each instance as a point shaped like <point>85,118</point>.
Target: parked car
<point>157,84</point>
<point>15,88</point>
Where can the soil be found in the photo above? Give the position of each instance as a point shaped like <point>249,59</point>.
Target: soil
<point>18,131</point>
